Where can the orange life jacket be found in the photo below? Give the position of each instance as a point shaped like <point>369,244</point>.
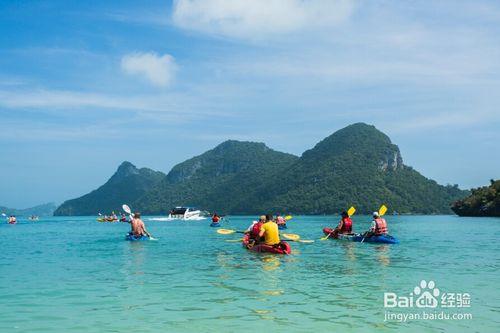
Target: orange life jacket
<point>380,226</point>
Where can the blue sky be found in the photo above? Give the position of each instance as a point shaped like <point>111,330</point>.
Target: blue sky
<point>86,85</point>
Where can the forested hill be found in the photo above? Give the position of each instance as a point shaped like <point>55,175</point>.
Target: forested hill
<point>219,179</point>
<point>483,201</point>
<point>357,165</point>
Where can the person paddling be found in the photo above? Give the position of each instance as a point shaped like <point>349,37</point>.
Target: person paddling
<point>138,226</point>
<point>379,226</point>
<point>344,226</point>
<point>215,218</point>
<point>254,230</point>
<point>270,232</point>
<point>280,221</point>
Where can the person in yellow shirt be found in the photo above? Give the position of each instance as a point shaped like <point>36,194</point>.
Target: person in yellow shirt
<point>269,231</point>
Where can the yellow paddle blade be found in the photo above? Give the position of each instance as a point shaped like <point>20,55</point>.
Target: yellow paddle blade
<point>225,231</point>
<point>351,211</point>
<point>293,237</point>
<point>288,217</point>
<point>382,210</point>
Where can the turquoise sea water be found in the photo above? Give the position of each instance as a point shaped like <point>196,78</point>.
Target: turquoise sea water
<point>76,275</point>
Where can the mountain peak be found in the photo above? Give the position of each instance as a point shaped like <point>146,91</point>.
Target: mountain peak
<point>360,132</point>
<point>126,169</point>
<point>360,126</point>
<point>228,158</point>
<point>363,142</point>
<point>236,144</point>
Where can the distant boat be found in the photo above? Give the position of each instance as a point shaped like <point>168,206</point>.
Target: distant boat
<point>33,218</point>
<point>185,213</point>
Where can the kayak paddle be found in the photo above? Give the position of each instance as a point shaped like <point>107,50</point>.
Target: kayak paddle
<point>381,212</point>
<point>127,209</point>
<point>228,231</point>
<point>306,241</point>
<point>288,217</point>
<point>296,238</point>
<point>292,237</point>
<point>350,212</point>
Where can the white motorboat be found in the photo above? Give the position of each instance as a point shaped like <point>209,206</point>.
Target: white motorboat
<point>183,213</point>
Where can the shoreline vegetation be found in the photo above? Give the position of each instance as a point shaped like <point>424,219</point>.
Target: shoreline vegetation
<point>357,165</point>
<point>483,201</point>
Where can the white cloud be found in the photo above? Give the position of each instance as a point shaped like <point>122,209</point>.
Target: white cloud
<point>65,99</point>
<point>257,19</point>
<point>159,70</point>
<point>156,106</point>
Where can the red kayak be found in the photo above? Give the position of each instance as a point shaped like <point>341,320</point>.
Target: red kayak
<point>328,231</point>
<point>282,248</point>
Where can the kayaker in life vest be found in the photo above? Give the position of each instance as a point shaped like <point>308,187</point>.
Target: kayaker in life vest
<point>379,226</point>
<point>280,220</point>
<point>254,228</point>
<point>138,226</point>
<point>344,226</point>
<point>215,218</point>
<point>270,231</point>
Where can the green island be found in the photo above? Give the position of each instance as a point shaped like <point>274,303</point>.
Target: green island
<point>483,201</point>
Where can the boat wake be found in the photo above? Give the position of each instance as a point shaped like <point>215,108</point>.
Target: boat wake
<point>167,219</point>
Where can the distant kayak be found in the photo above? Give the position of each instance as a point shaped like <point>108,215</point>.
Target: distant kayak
<point>282,226</point>
<point>282,248</point>
<point>382,239</point>
<point>133,238</point>
<point>215,225</point>
<point>101,219</point>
